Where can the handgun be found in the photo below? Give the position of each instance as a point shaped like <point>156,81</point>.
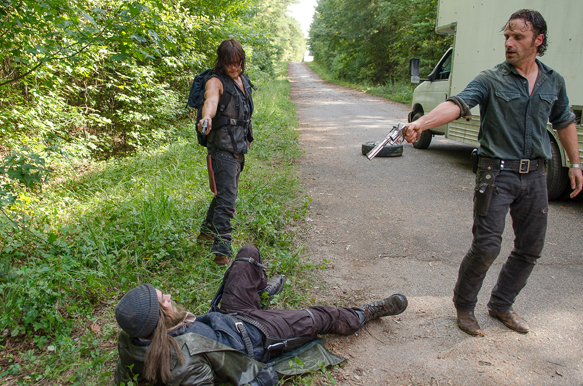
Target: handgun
<point>205,127</point>
<point>395,137</point>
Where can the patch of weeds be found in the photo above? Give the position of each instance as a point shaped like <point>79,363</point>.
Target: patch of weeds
<point>113,225</point>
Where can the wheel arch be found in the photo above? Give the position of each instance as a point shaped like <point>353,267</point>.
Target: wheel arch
<point>417,108</point>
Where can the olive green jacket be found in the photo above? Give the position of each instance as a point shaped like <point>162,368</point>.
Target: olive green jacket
<point>207,361</point>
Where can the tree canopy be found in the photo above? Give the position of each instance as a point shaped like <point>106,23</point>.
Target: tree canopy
<point>106,76</point>
<point>372,40</point>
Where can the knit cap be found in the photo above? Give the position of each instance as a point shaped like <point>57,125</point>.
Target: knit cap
<point>138,311</point>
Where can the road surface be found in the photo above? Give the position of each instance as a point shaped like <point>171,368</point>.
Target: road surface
<point>402,225</point>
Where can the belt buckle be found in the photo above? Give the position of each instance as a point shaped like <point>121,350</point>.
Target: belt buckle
<point>237,326</point>
<point>232,122</point>
<point>524,166</point>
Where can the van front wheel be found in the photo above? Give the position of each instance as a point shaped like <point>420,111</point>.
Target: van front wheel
<point>425,139</point>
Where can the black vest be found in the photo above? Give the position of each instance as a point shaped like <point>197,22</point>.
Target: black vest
<point>231,127</point>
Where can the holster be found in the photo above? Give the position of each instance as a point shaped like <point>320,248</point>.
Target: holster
<point>482,198</point>
<point>474,157</point>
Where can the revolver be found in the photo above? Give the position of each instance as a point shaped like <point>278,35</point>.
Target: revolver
<point>395,137</point>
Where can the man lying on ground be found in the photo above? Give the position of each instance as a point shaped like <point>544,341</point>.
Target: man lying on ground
<point>162,342</point>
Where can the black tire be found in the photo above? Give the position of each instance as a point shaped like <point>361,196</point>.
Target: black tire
<point>557,175</point>
<point>425,139</point>
<point>387,151</point>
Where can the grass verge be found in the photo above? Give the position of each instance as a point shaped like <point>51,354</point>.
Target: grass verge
<point>68,254</point>
<point>399,91</point>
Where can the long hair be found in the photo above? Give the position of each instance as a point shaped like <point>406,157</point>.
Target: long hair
<point>539,26</point>
<point>229,51</point>
<point>159,355</point>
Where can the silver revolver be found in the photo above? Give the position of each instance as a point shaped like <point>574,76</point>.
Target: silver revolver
<point>395,137</point>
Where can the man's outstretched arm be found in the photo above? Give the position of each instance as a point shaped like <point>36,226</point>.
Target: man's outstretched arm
<point>442,114</point>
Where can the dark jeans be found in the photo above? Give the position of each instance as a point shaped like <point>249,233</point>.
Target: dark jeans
<point>526,197</point>
<point>226,170</point>
<point>243,280</point>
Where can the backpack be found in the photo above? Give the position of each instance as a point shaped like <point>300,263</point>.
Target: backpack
<point>196,100</point>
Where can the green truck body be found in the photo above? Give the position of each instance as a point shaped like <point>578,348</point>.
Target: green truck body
<point>479,44</point>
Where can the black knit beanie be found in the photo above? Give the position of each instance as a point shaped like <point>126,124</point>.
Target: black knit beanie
<point>138,311</point>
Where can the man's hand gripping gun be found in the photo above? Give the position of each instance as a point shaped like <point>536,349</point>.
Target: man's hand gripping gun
<point>205,127</point>
<point>395,137</point>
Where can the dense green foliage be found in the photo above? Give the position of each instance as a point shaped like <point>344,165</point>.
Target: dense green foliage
<point>72,251</point>
<point>101,77</point>
<point>102,183</point>
<point>372,41</point>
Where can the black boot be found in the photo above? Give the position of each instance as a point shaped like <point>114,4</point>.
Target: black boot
<point>393,305</point>
<point>274,287</point>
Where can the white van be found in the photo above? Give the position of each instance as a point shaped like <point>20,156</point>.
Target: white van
<point>478,45</point>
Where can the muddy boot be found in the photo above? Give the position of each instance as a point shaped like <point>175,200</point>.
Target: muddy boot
<point>274,287</point>
<point>393,305</point>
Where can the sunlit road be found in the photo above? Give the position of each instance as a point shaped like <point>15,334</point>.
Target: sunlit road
<point>403,224</point>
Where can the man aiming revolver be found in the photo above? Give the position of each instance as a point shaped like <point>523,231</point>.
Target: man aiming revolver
<point>517,98</point>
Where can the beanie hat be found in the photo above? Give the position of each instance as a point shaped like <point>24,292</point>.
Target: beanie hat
<point>137,313</point>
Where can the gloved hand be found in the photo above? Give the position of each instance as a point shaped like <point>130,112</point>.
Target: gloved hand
<point>265,377</point>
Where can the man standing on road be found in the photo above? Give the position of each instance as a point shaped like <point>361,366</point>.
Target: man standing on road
<point>227,110</point>
<point>516,98</point>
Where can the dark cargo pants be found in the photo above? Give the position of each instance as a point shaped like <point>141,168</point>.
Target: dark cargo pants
<point>226,169</point>
<point>525,195</point>
<point>243,280</point>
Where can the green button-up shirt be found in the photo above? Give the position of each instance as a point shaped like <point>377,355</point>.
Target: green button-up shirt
<point>512,122</point>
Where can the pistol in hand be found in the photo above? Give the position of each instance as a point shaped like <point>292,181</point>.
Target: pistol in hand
<point>205,127</point>
<point>395,137</point>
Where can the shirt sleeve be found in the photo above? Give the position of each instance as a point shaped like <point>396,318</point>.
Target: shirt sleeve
<point>476,91</point>
<point>561,115</point>
<point>199,373</point>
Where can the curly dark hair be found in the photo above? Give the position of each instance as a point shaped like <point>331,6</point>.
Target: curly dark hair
<point>539,25</point>
<point>229,51</point>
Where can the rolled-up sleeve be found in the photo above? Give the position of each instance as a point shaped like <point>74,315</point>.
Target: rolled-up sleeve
<point>561,115</point>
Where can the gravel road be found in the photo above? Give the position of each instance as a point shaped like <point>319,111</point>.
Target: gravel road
<point>402,225</point>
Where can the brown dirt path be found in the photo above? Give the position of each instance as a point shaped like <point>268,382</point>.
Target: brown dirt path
<point>402,225</point>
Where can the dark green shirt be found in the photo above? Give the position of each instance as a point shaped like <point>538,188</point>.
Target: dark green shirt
<point>512,122</point>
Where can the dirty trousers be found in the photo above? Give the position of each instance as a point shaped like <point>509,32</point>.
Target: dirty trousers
<point>525,195</point>
<point>243,280</point>
<point>226,170</point>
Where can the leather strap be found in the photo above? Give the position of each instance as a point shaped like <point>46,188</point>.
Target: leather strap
<point>521,166</point>
<point>252,261</point>
<point>242,330</point>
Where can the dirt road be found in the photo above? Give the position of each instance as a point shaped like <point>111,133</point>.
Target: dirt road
<point>402,225</point>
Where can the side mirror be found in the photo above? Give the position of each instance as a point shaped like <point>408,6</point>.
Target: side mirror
<point>414,65</point>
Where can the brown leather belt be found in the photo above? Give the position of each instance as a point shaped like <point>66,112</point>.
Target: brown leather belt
<point>520,166</point>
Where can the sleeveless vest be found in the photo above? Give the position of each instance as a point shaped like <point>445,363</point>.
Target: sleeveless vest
<point>230,125</point>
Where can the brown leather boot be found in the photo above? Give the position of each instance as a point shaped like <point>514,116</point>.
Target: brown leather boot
<point>467,322</point>
<point>511,320</point>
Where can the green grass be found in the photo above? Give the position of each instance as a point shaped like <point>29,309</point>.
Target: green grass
<point>95,233</point>
<point>399,91</point>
